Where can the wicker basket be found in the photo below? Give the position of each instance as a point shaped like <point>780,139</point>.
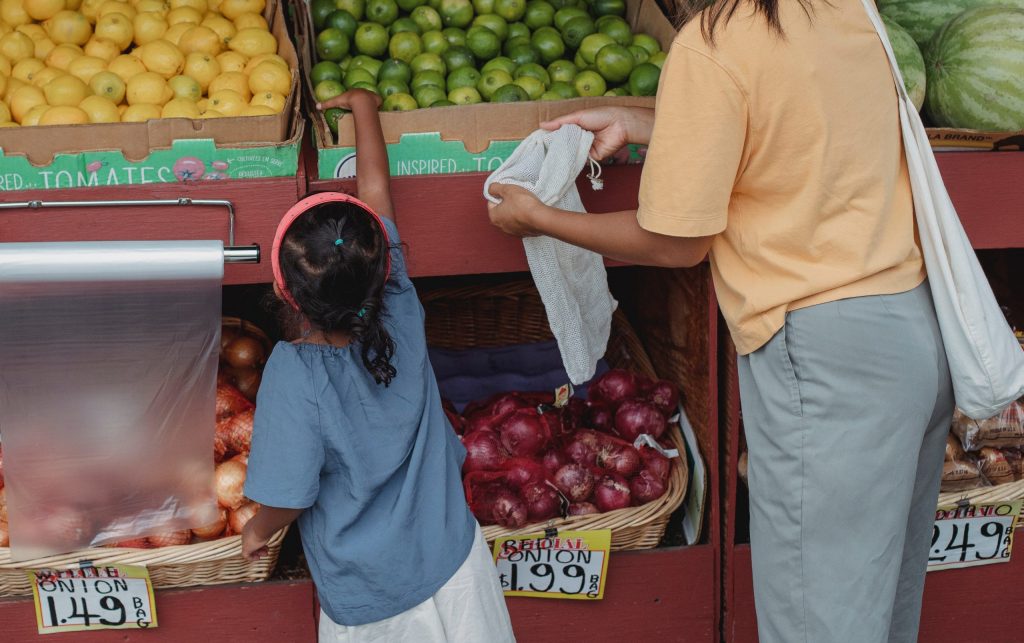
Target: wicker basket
<point>999,493</point>
<point>491,316</point>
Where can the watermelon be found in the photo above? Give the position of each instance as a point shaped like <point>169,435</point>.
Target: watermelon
<point>910,60</point>
<point>922,18</point>
<point>975,68</point>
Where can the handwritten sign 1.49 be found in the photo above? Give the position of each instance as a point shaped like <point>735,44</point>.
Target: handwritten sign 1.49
<point>569,564</point>
<point>969,535</point>
<point>93,598</point>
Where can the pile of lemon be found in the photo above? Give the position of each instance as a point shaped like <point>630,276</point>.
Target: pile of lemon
<point>66,62</point>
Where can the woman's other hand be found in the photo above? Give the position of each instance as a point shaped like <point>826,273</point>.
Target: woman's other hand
<point>613,127</point>
<point>518,212</point>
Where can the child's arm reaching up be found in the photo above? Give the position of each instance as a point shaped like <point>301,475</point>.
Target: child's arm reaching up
<point>373,176</point>
<point>262,527</point>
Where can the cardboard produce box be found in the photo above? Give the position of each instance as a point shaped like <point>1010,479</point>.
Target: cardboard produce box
<point>950,139</point>
<point>465,138</point>
<point>163,150</point>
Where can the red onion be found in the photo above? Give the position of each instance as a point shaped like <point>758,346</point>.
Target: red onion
<point>552,459</point>
<point>618,457</point>
<point>542,502</point>
<point>646,486</point>
<point>520,472</point>
<point>508,402</point>
<point>656,463</point>
<point>572,416</point>
<point>636,417</point>
<point>665,396</point>
<point>523,433</point>
<point>575,481</point>
<point>614,387</point>
<point>600,416</point>
<point>611,493</point>
<point>507,509</point>
<point>483,451</point>
<point>583,447</point>
<point>583,509</point>
<point>480,421</point>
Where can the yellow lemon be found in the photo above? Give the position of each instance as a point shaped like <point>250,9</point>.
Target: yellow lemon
<point>5,113</point>
<point>163,58</point>
<point>44,76</point>
<point>140,113</point>
<point>147,27</point>
<point>66,91</point>
<point>100,109</point>
<point>274,58</point>
<point>63,55</point>
<point>73,5</point>
<point>180,108</point>
<point>85,67</point>
<point>221,26</point>
<point>273,100</point>
<point>68,27</point>
<point>227,102</point>
<point>5,65</point>
<point>183,15</point>
<point>33,31</point>
<point>251,21</point>
<point>3,84</point>
<point>232,61</point>
<point>23,99</point>
<point>109,85</point>
<point>64,115</point>
<point>126,66</point>
<point>202,104</point>
<point>150,88</point>
<point>199,5</point>
<point>152,6</point>
<point>9,124</point>
<point>175,32</point>
<point>27,69</point>
<point>233,80</point>
<point>253,42</point>
<point>213,5</point>
<point>117,6</point>
<point>203,68</point>
<point>31,119</point>
<point>202,40</point>
<point>258,110</point>
<point>270,77</point>
<point>13,13</point>
<point>16,46</point>
<point>103,48</point>
<point>211,113</point>
<point>43,9</point>
<point>13,85</point>
<point>116,27</point>
<point>43,48</point>
<point>91,9</point>
<point>185,87</point>
<point>234,8</point>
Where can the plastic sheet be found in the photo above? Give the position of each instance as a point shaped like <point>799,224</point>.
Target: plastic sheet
<point>108,364</point>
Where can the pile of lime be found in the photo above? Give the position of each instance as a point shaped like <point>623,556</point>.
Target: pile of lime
<point>434,53</point>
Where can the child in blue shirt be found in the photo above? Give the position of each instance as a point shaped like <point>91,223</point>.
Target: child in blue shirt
<point>350,436</point>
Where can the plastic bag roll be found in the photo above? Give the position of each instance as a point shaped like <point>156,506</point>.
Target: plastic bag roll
<point>108,367</point>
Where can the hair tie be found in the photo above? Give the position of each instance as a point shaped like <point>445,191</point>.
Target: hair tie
<point>339,241</point>
<point>361,313</point>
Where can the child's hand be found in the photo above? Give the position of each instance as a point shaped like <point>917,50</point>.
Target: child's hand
<point>350,99</point>
<point>253,547</point>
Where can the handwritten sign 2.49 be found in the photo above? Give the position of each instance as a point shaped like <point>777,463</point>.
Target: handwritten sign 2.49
<point>570,564</point>
<point>93,598</point>
<point>969,535</point>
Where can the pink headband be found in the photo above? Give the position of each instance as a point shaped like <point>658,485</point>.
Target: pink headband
<point>301,208</point>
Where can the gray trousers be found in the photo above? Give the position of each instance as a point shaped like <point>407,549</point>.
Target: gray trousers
<point>846,411</point>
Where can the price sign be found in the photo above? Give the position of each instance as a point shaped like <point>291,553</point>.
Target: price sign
<point>92,598</point>
<point>967,535</point>
<point>567,564</point>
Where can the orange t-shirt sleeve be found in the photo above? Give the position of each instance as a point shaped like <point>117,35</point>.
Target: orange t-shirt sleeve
<point>696,147</point>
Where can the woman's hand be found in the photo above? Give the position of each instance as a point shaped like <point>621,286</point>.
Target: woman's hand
<point>254,547</point>
<point>613,127</point>
<point>519,210</point>
<point>348,100</point>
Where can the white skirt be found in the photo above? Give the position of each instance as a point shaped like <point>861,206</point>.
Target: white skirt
<point>469,608</point>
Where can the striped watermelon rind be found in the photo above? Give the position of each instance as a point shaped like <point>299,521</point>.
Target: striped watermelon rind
<point>910,61</point>
<point>922,18</point>
<point>975,68</point>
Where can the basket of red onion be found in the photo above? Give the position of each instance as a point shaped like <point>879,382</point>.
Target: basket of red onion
<point>532,465</point>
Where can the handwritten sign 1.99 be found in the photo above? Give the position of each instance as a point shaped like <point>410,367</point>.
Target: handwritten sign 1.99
<point>93,598</point>
<point>569,564</point>
<point>969,535</point>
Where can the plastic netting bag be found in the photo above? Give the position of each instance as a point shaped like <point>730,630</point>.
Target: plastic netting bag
<point>1005,430</point>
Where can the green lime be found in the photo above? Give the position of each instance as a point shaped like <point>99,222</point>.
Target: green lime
<point>608,7</point>
<point>409,6</point>
<point>456,37</point>
<point>371,65</point>
<point>319,9</point>
<point>327,89</point>
<point>356,7</point>
<point>643,81</point>
<point>510,10</point>
<point>325,70</point>
<point>343,21</point>
<point>565,4</point>
<point>579,62</point>
<point>617,29</point>
<point>563,16</point>
<point>600,20</point>
<point>331,116</point>
<point>394,69</point>
<point>483,7</point>
<point>501,62</point>
<point>458,57</point>
<point>483,42</point>
<point>370,87</point>
<point>464,96</point>
<point>383,12</point>
<point>456,13</point>
<point>434,4</point>
<point>562,70</point>
<point>510,94</point>
<point>387,87</point>
<point>522,54</point>
<point>658,59</point>
<point>405,46</point>
<point>533,70</point>
<point>576,30</point>
<point>647,42</point>
<point>493,22</point>
<point>533,87</point>
<point>550,95</point>
<point>548,43</point>
<point>539,14</point>
<point>443,103</point>
<point>371,39</point>
<point>593,44</point>
<point>403,25</point>
<point>515,41</point>
<point>427,18</point>
<point>563,89</point>
<point>357,75</point>
<point>331,44</point>
<point>434,42</point>
<point>399,103</point>
<point>463,77</point>
<point>640,54</point>
<point>517,30</point>
<point>618,91</point>
<point>429,94</point>
<point>344,63</point>
<point>493,80</point>
<point>614,63</point>
<point>427,78</point>
<point>428,62</point>
<point>589,83</point>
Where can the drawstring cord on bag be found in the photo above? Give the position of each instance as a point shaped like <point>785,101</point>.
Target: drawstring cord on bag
<point>596,182</point>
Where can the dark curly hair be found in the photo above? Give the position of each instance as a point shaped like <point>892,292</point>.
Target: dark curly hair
<point>334,262</point>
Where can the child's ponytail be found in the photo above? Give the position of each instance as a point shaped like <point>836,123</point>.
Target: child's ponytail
<point>377,346</point>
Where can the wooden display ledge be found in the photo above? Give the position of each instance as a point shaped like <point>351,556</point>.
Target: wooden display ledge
<point>985,187</point>
<point>657,595</point>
